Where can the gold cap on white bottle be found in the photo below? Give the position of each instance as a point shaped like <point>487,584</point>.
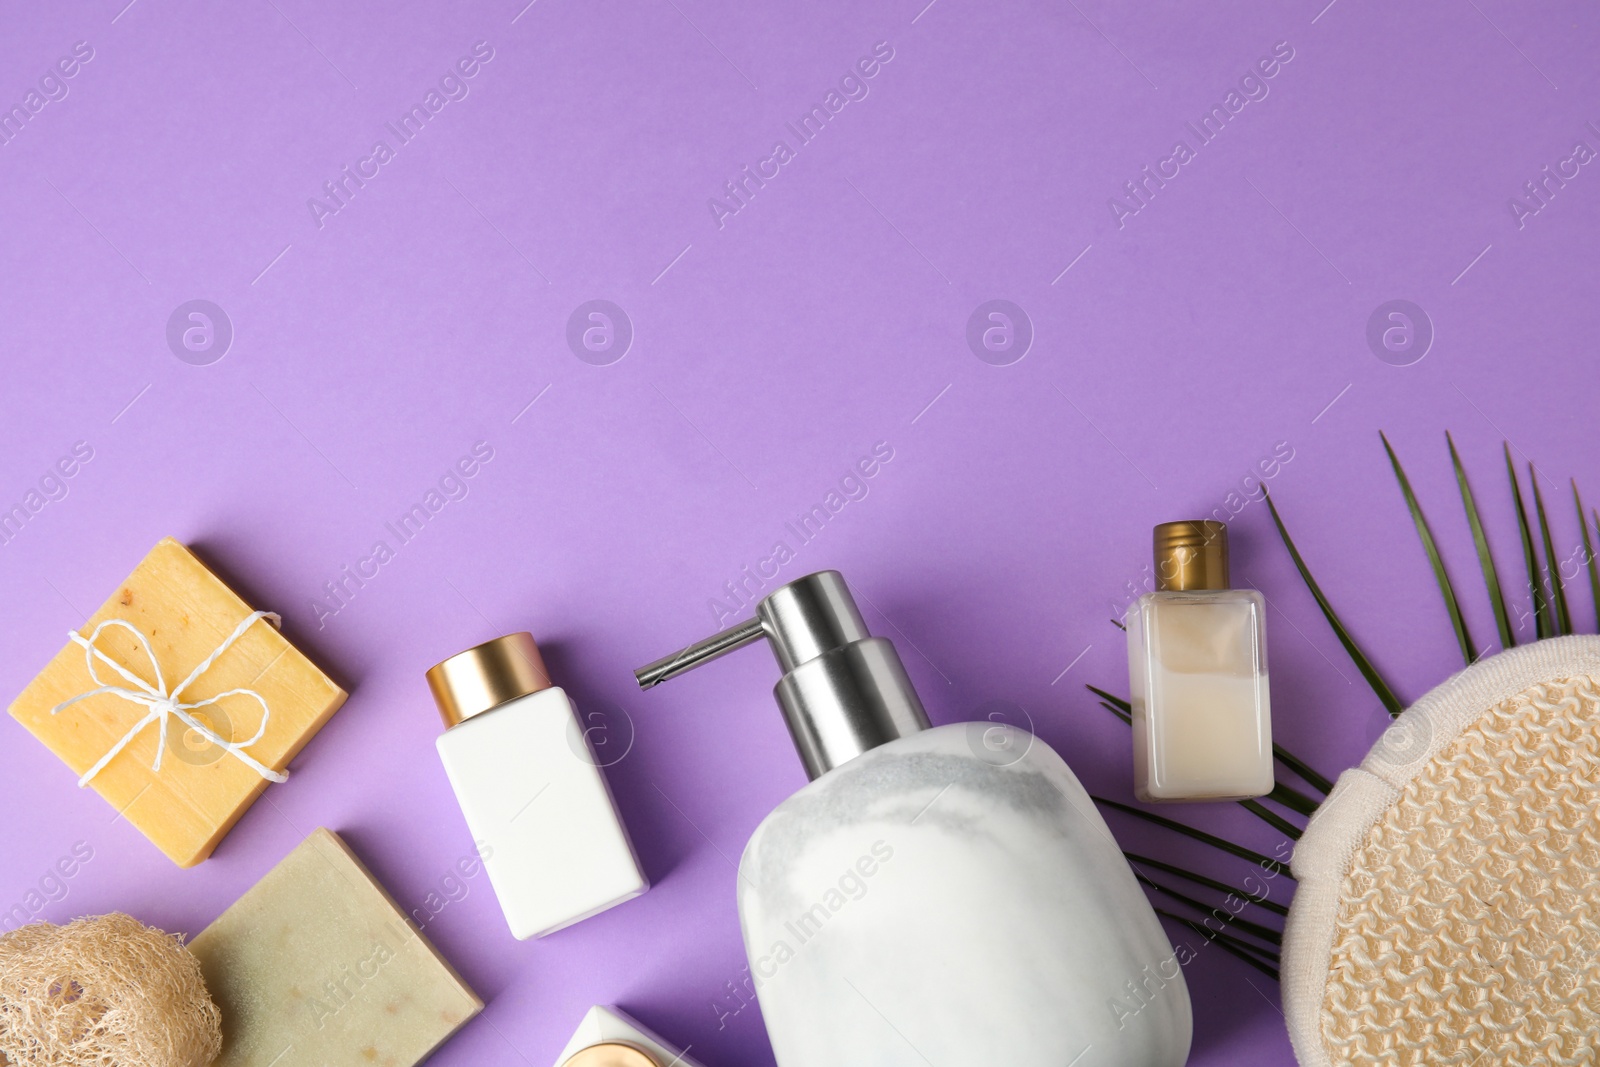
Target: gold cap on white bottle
<point>486,676</point>
<point>1190,555</point>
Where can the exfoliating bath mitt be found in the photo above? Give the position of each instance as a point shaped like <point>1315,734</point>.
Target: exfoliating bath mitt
<point>1448,907</point>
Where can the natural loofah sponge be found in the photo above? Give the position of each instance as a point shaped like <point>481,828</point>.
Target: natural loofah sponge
<point>105,991</point>
<point>1448,908</point>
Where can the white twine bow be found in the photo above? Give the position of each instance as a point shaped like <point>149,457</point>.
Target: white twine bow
<point>163,703</point>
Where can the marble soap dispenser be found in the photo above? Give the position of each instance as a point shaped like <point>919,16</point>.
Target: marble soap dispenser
<point>939,894</point>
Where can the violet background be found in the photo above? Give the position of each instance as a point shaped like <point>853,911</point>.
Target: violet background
<point>829,314</point>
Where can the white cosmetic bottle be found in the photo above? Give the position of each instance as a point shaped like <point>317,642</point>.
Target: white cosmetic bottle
<point>941,895</point>
<point>531,789</point>
<point>1197,671</point>
<point>609,1037</point>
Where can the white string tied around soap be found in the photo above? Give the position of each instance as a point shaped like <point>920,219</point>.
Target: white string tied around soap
<point>164,704</point>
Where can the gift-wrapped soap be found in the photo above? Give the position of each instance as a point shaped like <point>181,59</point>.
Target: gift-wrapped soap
<point>206,699</point>
<point>316,965</point>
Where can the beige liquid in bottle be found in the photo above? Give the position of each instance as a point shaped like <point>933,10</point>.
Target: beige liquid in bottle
<point>1197,665</point>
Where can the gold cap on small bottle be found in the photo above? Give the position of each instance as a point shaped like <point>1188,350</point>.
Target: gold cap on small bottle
<point>486,676</point>
<point>611,1054</point>
<point>1192,554</point>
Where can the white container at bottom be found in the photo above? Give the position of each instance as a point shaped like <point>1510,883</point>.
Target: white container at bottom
<point>609,1038</point>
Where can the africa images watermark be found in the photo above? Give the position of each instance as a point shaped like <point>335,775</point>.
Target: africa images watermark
<point>851,885</point>
<point>852,87</point>
<point>52,485</point>
<point>747,588</point>
<point>1253,88</point>
<point>345,986</point>
<point>454,886</point>
<point>1537,194</point>
<point>452,485</point>
<point>454,86</point>
<point>1250,489</point>
<point>1145,988</point>
<point>52,88</point>
<point>52,887</point>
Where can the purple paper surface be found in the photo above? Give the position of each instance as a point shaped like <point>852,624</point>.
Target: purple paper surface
<point>771,318</point>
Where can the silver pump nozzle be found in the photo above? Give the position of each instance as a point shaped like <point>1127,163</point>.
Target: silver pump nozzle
<point>843,691</point>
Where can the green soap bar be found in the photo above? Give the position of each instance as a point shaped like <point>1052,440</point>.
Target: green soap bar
<point>317,965</point>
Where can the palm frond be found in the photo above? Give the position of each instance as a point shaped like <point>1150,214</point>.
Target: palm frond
<point>1272,819</point>
<point>1210,883</point>
<point>1588,555</point>
<point>1118,712</point>
<point>1368,671</point>
<point>1226,943</point>
<point>1307,775</point>
<point>1125,705</point>
<point>1451,605</point>
<point>1543,621</point>
<point>1589,561</point>
<point>1563,618</point>
<point>1292,799</point>
<point>1254,929</point>
<point>1204,838</point>
<point>1491,574</point>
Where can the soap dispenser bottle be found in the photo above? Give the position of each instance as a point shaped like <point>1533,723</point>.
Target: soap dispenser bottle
<point>942,895</point>
<point>1197,673</point>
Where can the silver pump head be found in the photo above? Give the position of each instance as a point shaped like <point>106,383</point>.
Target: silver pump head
<point>843,691</point>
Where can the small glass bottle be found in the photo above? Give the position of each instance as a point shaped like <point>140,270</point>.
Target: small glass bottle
<point>1197,668</point>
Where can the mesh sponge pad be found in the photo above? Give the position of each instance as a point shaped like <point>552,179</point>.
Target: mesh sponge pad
<point>1448,911</point>
<point>106,991</point>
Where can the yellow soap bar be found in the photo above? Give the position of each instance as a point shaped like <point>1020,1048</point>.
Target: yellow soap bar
<point>186,612</point>
<point>317,965</point>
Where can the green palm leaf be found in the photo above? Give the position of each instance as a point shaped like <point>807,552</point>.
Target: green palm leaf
<point>1118,712</point>
<point>1309,776</point>
<point>1451,604</point>
<point>1368,671</point>
<point>1200,879</point>
<point>1124,705</point>
<point>1228,944</point>
<point>1254,929</point>
<point>1543,620</point>
<point>1588,554</point>
<point>1271,818</point>
<point>1199,835</point>
<point>1292,799</point>
<point>1563,617</point>
<point>1491,575</point>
